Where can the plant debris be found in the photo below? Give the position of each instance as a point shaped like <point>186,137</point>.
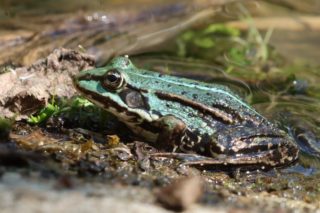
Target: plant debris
<point>29,89</point>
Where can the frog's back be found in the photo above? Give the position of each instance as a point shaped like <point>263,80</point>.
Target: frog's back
<point>211,96</point>
<point>206,93</point>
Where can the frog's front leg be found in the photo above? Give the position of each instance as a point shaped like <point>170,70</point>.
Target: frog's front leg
<point>172,130</point>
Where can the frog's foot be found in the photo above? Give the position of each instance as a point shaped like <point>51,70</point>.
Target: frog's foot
<point>188,158</point>
<point>260,160</point>
<point>172,130</point>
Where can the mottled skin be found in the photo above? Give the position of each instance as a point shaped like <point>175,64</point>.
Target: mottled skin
<point>187,116</point>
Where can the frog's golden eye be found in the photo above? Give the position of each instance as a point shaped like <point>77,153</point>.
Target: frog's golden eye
<point>113,80</point>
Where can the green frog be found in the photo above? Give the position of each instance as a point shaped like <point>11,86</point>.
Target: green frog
<point>208,123</point>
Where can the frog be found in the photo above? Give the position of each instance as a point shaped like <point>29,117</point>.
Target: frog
<point>205,123</point>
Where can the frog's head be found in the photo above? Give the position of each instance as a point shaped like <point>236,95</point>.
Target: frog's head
<point>109,88</point>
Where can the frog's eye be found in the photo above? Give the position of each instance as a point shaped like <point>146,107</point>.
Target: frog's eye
<point>113,80</point>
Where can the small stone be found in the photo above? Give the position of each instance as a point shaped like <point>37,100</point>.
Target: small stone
<point>181,193</point>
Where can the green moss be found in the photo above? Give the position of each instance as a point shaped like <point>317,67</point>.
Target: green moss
<point>45,113</point>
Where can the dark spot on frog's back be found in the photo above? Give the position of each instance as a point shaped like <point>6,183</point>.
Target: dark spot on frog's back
<point>183,93</point>
<point>155,112</point>
<point>195,96</point>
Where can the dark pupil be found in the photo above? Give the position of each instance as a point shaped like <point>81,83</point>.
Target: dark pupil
<point>112,78</point>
